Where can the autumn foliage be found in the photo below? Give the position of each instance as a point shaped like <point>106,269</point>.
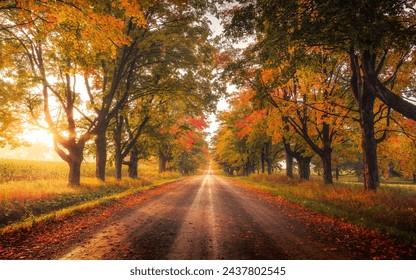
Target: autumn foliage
<point>105,72</point>
<point>337,100</point>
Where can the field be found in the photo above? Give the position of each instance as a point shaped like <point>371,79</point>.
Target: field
<point>31,191</point>
<point>391,210</point>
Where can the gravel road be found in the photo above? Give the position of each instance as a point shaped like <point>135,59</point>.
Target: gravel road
<point>205,217</point>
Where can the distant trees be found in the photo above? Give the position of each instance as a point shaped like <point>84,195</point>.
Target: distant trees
<point>177,136</point>
<point>242,143</point>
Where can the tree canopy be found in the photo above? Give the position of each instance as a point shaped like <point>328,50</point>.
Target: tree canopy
<point>80,66</point>
<point>297,46</point>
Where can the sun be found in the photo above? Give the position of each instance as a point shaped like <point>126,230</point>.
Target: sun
<point>35,136</point>
<point>32,144</point>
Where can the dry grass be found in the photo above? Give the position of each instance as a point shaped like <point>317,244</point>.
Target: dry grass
<point>63,212</point>
<point>45,190</point>
<point>392,209</point>
<point>26,170</point>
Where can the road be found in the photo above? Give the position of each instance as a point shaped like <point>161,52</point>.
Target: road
<point>205,217</point>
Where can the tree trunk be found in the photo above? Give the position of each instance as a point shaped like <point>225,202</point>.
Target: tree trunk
<point>326,154</point>
<point>414,178</point>
<point>133,164</point>
<point>269,167</point>
<point>289,162</point>
<point>327,165</point>
<point>365,98</point>
<point>162,165</point>
<point>162,162</point>
<point>247,168</point>
<point>74,177</point>
<point>118,156</point>
<point>118,159</point>
<point>118,162</point>
<point>73,154</point>
<point>337,173</point>
<point>133,170</point>
<point>74,160</point>
<point>304,164</point>
<point>268,156</point>
<point>369,144</point>
<point>101,155</point>
<point>263,159</point>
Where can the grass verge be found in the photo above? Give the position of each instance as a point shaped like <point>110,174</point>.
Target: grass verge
<point>24,203</point>
<point>391,210</point>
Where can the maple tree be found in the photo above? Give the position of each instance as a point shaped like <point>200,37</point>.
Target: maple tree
<point>396,152</point>
<point>127,131</point>
<point>253,127</point>
<point>179,141</point>
<point>190,147</point>
<point>316,108</point>
<point>56,40</point>
<point>108,49</point>
<point>294,146</point>
<point>226,152</point>
<point>266,85</point>
<point>369,32</point>
<point>242,144</point>
<point>174,42</point>
<point>155,116</point>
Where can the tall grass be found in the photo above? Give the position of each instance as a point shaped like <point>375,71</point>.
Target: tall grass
<point>29,189</point>
<point>26,170</point>
<point>392,209</point>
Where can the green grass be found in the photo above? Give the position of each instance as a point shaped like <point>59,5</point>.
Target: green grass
<point>391,210</point>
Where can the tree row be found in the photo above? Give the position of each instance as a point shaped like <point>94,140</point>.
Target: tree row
<point>124,79</point>
<point>322,80</point>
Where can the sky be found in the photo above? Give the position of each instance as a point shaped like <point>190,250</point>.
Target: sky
<point>222,105</point>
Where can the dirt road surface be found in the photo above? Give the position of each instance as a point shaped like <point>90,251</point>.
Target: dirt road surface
<point>205,217</point>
